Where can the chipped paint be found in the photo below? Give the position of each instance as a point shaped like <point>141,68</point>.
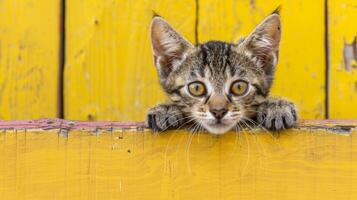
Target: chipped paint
<point>63,126</point>
<point>350,54</point>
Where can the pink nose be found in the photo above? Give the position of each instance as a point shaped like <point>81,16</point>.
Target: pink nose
<point>219,113</point>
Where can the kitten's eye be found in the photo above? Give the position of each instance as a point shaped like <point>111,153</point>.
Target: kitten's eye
<point>197,89</point>
<point>239,88</point>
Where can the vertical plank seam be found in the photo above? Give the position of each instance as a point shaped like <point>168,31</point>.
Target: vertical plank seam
<point>197,21</point>
<point>327,62</point>
<point>62,59</point>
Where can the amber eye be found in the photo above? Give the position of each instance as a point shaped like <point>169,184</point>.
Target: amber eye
<point>239,88</point>
<point>197,89</point>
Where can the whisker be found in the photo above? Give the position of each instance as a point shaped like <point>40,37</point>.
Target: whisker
<point>177,113</point>
<point>248,154</point>
<point>264,129</point>
<point>235,140</point>
<point>257,138</point>
<point>188,145</point>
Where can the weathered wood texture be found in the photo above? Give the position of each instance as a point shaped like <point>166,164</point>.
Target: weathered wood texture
<point>316,161</point>
<point>343,58</point>
<point>29,58</point>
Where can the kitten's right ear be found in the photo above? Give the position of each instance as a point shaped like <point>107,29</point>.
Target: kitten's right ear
<point>263,43</point>
<point>168,46</point>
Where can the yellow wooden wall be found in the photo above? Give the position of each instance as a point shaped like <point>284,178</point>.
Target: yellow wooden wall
<point>29,58</point>
<point>109,72</point>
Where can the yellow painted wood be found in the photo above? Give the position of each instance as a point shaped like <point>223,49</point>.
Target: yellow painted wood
<point>343,87</point>
<point>298,164</point>
<point>29,58</point>
<point>109,71</point>
<point>300,74</point>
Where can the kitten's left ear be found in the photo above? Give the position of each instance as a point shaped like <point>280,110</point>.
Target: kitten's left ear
<point>263,43</point>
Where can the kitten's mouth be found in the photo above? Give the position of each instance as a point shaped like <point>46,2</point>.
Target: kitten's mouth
<point>218,127</point>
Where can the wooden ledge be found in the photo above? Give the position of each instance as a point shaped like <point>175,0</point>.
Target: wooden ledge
<point>312,161</point>
<point>345,125</point>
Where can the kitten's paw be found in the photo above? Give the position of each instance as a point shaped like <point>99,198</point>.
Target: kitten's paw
<point>277,114</point>
<point>163,117</point>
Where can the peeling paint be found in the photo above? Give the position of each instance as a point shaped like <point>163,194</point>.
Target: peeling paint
<point>65,126</point>
<point>339,129</point>
<point>350,54</point>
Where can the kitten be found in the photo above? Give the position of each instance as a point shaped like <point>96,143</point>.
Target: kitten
<point>218,85</point>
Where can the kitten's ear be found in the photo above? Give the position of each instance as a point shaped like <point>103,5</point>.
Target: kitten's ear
<point>168,46</point>
<point>263,43</point>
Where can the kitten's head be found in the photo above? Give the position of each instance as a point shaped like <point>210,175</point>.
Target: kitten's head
<point>218,84</point>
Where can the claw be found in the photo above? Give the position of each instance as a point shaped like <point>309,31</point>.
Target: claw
<point>279,114</point>
<point>279,125</point>
<point>150,120</point>
<point>152,123</point>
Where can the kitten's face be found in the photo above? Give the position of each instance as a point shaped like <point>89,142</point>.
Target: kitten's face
<point>217,84</point>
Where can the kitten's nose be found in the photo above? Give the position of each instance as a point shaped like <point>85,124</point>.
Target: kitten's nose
<point>218,106</point>
<point>219,113</point>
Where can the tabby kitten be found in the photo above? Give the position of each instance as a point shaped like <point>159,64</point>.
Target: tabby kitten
<point>218,85</point>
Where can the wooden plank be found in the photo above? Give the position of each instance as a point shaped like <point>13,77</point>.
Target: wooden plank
<point>29,58</point>
<point>315,161</point>
<point>109,74</point>
<point>343,58</point>
<point>300,74</point>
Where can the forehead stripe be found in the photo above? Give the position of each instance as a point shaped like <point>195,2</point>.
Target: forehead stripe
<point>227,51</point>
